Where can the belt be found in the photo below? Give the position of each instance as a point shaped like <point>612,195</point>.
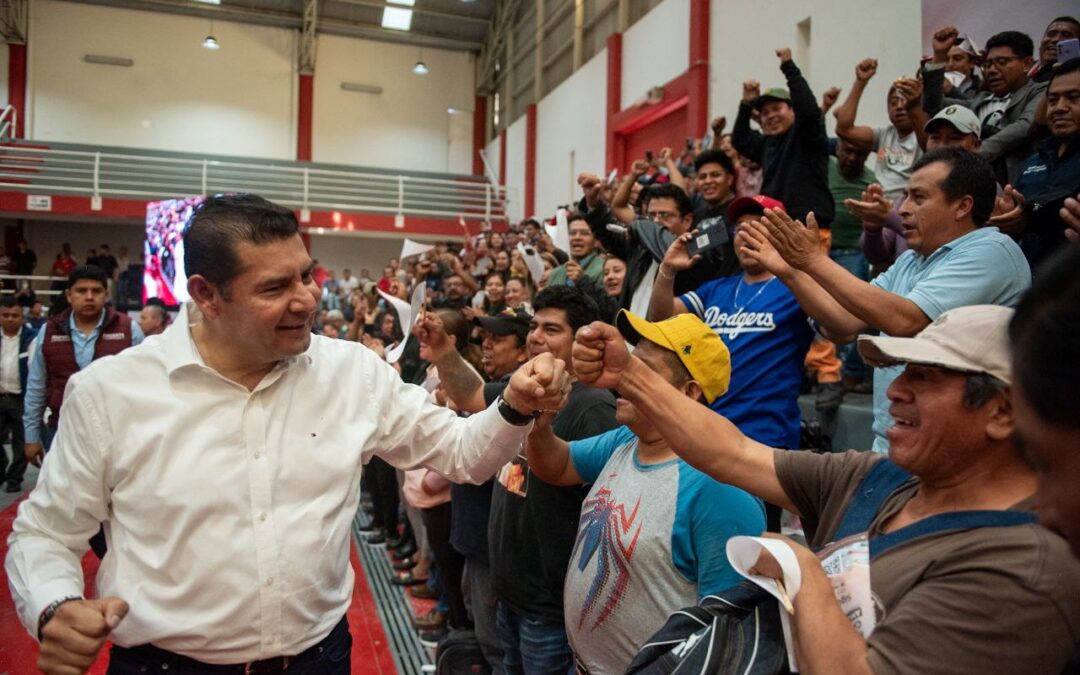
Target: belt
<point>4,394</point>
<point>277,664</point>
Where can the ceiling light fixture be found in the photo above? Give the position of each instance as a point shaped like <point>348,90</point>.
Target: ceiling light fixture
<point>209,2</point>
<point>396,18</point>
<point>211,42</point>
<point>361,88</point>
<point>420,68</point>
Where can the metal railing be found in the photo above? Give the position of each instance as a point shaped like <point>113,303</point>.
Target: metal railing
<point>132,175</point>
<point>9,123</point>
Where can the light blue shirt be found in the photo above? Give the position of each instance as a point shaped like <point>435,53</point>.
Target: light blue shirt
<point>35,400</point>
<point>984,267</point>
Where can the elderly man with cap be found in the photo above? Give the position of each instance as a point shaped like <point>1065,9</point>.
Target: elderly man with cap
<point>962,578</point>
<point>760,322</point>
<point>792,146</point>
<point>667,551</point>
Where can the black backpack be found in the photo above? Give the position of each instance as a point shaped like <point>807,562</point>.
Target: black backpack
<point>459,654</point>
<point>738,630</point>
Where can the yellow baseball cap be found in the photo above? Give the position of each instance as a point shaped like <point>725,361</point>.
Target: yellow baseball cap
<point>699,348</point>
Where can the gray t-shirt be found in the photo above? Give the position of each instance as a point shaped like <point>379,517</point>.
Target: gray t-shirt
<point>988,600</point>
<point>895,157</point>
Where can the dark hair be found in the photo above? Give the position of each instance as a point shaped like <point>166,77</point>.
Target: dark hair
<point>1065,19</point>
<point>91,272</point>
<point>969,175</point>
<point>1020,43</point>
<point>222,222</point>
<point>574,216</point>
<point>8,302</point>
<point>1043,331</point>
<point>530,221</point>
<point>581,309</point>
<point>979,388</point>
<point>714,157</point>
<point>668,191</point>
<point>1064,68</point>
<point>396,333</point>
<point>459,327</point>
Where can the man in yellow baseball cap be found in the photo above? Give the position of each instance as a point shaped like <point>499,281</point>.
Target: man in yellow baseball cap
<point>653,530</point>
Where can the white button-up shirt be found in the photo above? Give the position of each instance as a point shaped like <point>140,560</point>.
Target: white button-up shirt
<point>10,380</point>
<point>228,512</point>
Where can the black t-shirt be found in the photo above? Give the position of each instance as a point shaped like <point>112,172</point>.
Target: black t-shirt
<point>531,538</point>
<point>107,263</point>
<point>25,261</point>
<point>472,503</point>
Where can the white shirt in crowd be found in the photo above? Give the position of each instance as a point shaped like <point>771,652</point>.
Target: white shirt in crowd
<point>10,382</point>
<point>228,512</point>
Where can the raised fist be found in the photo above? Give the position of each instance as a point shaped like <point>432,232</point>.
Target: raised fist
<point>751,91</point>
<point>865,70</point>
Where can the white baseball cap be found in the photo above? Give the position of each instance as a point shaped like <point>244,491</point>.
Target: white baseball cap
<point>965,121</point>
<point>967,339</point>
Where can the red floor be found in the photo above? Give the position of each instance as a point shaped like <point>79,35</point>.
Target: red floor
<point>18,651</point>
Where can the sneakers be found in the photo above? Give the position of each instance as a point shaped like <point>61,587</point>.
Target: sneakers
<point>12,488</point>
<point>375,539</point>
<point>829,397</point>
<point>432,638</point>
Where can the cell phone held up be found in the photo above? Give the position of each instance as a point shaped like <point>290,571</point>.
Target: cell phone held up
<point>1068,50</point>
<point>703,242</point>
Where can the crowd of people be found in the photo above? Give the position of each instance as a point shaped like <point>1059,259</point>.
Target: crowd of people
<point>563,446</point>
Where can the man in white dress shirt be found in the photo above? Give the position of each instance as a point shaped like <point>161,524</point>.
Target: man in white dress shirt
<point>226,477</point>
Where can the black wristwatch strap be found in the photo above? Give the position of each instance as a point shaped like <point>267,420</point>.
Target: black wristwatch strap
<point>49,612</point>
<point>510,415</point>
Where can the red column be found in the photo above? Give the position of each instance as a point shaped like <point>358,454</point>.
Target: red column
<point>502,157</point>
<point>304,116</point>
<point>479,134</point>
<point>530,160</point>
<point>613,147</point>
<point>698,105</point>
<point>17,86</point>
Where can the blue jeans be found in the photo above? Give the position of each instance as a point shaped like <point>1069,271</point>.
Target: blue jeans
<point>332,657</point>
<point>853,261</point>
<point>533,647</point>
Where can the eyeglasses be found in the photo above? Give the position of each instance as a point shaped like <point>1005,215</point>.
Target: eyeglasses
<point>1000,62</point>
<point>658,216</point>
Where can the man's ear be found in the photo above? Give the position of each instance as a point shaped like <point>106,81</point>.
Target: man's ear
<point>206,295</point>
<point>693,390</point>
<point>1001,422</point>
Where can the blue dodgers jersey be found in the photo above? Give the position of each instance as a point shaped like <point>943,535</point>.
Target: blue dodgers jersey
<point>768,335</point>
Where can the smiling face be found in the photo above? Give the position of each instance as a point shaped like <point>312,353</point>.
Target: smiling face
<point>898,114</point>
<point>1063,106</point>
<point>776,117</point>
<point>713,183</point>
<point>550,333</point>
<point>495,289</point>
<point>515,293</point>
<point>269,308</point>
<point>614,276</point>
<point>934,435</point>
<point>959,61</point>
<point>1055,33</point>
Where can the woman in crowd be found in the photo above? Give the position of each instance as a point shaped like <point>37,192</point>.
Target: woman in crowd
<point>614,275</point>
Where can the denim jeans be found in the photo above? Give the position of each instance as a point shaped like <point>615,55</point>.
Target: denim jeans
<point>853,261</point>
<point>333,658</point>
<point>533,647</point>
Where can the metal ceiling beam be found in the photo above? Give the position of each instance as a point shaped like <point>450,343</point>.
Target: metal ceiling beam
<point>13,21</point>
<point>494,48</point>
<point>419,10</point>
<point>276,19</point>
<point>307,37</point>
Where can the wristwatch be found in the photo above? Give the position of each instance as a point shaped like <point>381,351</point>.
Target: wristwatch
<point>50,611</point>
<point>511,415</point>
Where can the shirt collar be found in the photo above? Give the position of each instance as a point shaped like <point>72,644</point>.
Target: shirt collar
<point>72,326</point>
<point>180,350</point>
<point>949,245</point>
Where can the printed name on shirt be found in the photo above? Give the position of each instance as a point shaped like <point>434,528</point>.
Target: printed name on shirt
<point>1035,168</point>
<point>112,336</point>
<point>60,338</point>
<point>739,322</point>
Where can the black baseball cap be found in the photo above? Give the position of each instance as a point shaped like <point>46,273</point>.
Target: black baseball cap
<point>507,322</point>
